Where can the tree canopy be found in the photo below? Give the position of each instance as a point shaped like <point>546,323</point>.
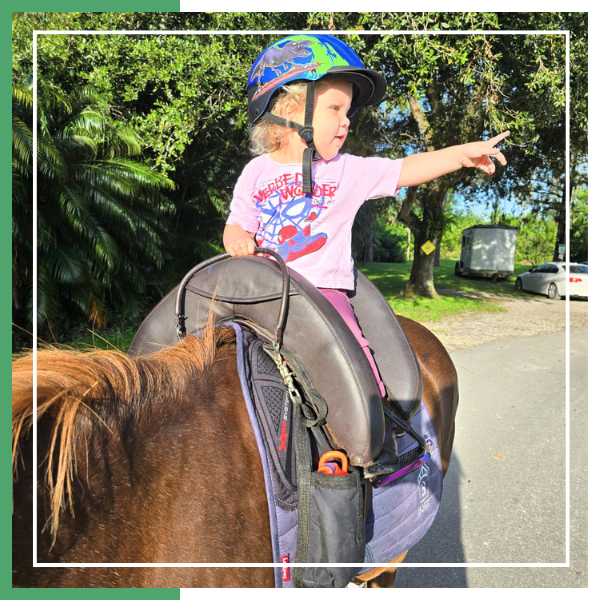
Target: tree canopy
<point>167,113</point>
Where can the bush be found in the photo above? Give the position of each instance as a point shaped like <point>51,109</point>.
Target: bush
<point>389,243</point>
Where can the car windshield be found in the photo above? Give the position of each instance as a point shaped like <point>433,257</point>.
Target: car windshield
<point>579,269</point>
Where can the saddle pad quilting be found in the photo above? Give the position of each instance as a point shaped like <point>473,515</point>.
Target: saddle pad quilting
<point>403,511</point>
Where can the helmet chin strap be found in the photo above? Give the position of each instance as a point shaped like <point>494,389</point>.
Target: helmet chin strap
<point>306,132</point>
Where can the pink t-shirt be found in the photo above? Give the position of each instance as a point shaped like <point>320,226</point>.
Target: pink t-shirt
<point>312,234</point>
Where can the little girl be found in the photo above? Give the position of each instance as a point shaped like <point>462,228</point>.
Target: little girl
<point>299,197</point>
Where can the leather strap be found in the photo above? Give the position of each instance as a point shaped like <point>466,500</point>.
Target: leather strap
<point>306,132</point>
<point>285,292</point>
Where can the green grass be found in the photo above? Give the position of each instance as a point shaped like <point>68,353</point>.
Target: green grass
<point>390,278</point>
<point>457,294</point>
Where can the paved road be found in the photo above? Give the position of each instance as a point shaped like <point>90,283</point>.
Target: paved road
<point>504,497</point>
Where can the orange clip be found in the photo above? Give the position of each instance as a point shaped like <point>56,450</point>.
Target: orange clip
<point>329,466</point>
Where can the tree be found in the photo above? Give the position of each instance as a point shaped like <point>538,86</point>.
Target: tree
<point>535,239</point>
<point>446,90</point>
<point>99,211</point>
<point>184,96</point>
<point>165,88</point>
<point>579,226</point>
<point>538,174</point>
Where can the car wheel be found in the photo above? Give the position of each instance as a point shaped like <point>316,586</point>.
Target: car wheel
<point>519,284</point>
<point>553,292</point>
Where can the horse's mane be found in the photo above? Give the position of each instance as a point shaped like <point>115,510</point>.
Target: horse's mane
<point>70,382</point>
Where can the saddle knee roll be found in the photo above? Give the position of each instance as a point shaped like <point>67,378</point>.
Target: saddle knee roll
<point>394,355</point>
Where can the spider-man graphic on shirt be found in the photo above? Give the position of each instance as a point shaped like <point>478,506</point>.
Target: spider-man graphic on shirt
<point>286,220</point>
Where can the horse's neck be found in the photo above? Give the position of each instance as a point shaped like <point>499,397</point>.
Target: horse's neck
<point>160,488</point>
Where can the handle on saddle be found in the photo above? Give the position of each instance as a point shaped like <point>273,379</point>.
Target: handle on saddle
<point>283,310</point>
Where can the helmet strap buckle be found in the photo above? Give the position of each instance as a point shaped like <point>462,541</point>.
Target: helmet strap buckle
<point>307,134</point>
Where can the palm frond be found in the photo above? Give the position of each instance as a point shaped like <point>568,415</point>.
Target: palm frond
<point>66,266</point>
<point>22,96</point>
<point>48,298</point>
<point>127,174</point>
<point>22,145</point>
<point>127,141</point>
<point>54,102</point>
<point>19,192</point>
<point>89,120</point>
<point>51,162</point>
<point>78,147</point>
<point>92,236</point>
<point>101,214</point>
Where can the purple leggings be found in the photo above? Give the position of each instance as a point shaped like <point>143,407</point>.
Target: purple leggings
<point>342,304</point>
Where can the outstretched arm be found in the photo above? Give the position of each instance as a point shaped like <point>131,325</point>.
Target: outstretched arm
<point>425,166</point>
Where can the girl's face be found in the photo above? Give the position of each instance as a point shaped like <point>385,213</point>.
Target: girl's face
<point>330,121</point>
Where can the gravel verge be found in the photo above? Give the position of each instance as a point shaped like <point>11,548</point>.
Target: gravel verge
<point>523,317</point>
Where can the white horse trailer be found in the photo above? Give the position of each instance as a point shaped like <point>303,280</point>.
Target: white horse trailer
<point>488,251</point>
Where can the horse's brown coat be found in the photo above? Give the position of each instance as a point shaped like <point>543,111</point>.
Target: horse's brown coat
<point>154,460</point>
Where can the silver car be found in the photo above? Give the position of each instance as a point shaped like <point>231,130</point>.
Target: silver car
<point>550,279</point>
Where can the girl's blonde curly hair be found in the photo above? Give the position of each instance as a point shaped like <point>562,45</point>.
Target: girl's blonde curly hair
<point>267,137</point>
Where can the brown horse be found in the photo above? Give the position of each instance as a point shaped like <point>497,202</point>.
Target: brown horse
<point>153,460</point>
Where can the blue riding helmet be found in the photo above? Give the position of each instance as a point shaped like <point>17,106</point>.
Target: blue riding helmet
<point>308,57</point>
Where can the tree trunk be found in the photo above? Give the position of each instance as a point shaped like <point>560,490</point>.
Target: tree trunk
<point>420,282</point>
<point>561,228</point>
<point>438,244</point>
<point>362,230</point>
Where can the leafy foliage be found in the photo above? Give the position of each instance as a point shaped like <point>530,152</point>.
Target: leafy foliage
<point>99,211</point>
<point>535,240</point>
<point>173,107</point>
<point>389,243</point>
<point>579,225</point>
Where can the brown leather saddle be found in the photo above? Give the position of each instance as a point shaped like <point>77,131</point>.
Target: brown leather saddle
<point>259,290</point>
